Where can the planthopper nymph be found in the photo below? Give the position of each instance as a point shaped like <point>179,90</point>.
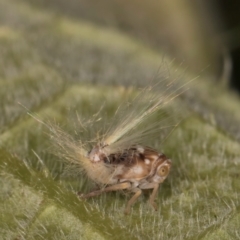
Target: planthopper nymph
<point>121,158</point>
<point>134,169</point>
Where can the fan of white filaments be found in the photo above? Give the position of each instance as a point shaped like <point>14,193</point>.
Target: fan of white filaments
<point>122,131</point>
<point>147,103</point>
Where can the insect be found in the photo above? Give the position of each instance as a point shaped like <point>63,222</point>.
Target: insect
<point>134,168</point>
<point>120,158</point>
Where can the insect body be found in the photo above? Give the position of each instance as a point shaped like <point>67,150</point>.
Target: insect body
<point>117,162</point>
<point>135,168</point>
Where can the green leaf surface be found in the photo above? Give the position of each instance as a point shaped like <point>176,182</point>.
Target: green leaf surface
<point>55,66</point>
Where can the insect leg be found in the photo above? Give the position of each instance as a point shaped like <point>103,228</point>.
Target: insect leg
<point>138,192</point>
<point>153,195</point>
<point>115,187</point>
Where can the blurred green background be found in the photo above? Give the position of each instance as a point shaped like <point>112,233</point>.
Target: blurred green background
<point>62,57</point>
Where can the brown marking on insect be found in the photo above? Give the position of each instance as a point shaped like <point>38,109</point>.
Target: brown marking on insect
<point>135,168</point>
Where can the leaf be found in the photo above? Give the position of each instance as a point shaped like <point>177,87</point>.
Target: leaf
<point>49,63</point>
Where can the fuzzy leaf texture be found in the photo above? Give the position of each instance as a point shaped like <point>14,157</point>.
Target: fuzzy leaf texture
<point>52,65</point>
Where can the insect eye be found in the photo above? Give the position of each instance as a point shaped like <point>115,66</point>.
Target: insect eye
<point>163,171</point>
